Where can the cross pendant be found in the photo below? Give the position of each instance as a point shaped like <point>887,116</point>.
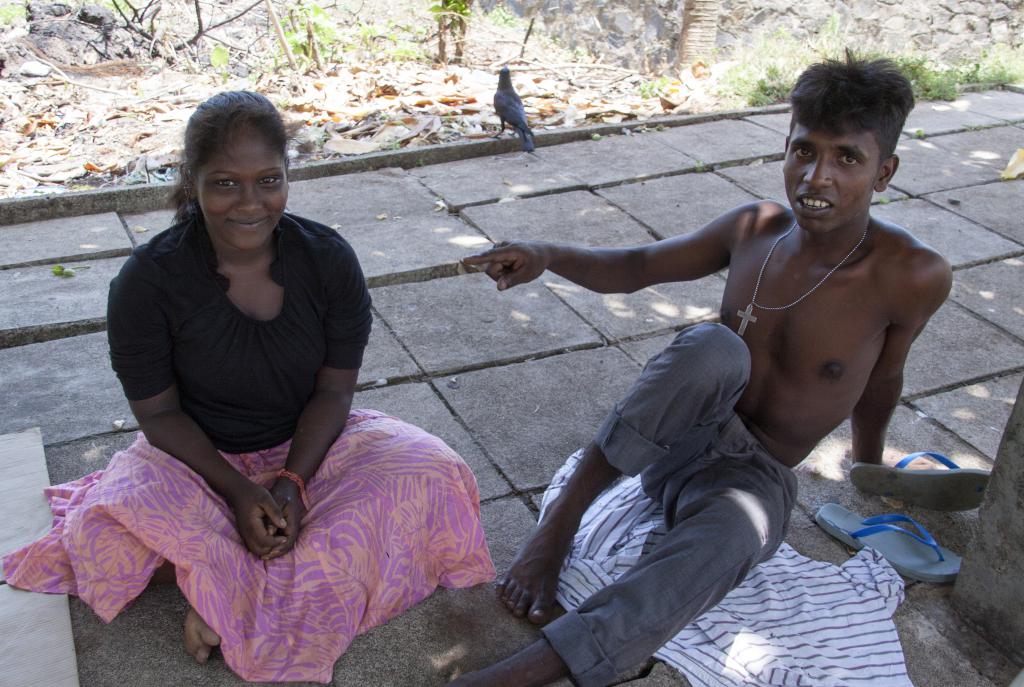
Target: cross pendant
<point>746,317</point>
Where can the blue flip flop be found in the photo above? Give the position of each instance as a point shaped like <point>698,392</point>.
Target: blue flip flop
<point>949,488</point>
<point>915,555</point>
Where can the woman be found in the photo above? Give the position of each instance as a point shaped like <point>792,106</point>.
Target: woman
<point>291,523</point>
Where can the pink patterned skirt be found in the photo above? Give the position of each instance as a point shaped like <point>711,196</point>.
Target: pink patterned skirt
<point>394,512</point>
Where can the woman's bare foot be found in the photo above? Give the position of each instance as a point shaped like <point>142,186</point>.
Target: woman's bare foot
<point>199,637</point>
<point>165,574</point>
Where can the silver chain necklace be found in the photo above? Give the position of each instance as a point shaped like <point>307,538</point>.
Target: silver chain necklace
<point>747,316</point>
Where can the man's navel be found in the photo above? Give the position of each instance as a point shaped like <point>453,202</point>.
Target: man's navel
<point>832,370</point>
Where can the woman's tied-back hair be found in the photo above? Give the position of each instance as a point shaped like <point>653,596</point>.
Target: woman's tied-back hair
<point>214,125</point>
<point>864,95</point>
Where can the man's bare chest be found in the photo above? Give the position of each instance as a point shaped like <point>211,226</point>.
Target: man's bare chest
<point>834,332</point>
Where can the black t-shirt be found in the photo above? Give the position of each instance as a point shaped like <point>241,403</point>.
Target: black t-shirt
<point>244,381</point>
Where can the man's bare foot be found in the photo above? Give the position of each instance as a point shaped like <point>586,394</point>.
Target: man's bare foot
<point>534,666</point>
<point>528,589</point>
<point>199,637</point>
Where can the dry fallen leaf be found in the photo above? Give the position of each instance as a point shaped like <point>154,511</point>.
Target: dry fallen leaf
<point>348,146</point>
<point>1015,167</point>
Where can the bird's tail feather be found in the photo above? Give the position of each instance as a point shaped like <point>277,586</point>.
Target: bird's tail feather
<point>527,136</point>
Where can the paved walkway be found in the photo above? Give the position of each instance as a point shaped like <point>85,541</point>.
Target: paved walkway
<point>516,381</point>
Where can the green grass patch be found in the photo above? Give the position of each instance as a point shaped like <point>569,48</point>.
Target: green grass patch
<point>650,89</point>
<point>764,73</point>
<point>13,13</point>
<point>501,16</point>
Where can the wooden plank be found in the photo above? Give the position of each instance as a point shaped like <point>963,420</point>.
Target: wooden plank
<point>36,646</point>
<point>23,508</point>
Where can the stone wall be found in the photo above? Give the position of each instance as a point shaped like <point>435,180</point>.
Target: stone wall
<point>643,34</point>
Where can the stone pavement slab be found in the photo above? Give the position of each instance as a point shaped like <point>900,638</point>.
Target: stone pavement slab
<point>351,199</point>
<point>960,241</point>
<point>413,248</point>
<point>488,179</point>
<point>778,121</point>
<point>36,645</point>
<point>928,166</point>
<point>1005,105</point>
<point>64,239</point>
<point>991,148</point>
<point>677,205</point>
<point>956,160</point>
<point>994,291</point>
<point>22,504</point>
<point>934,602</point>
<point>991,205</point>
<point>143,645</point>
<point>384,358</point>
<point>530,416</point>
<point>765,180</point>
<point>578,217</point>
<point>73,460</point>
<point>144,226</point>
<point>615,159</point>
<point>34,298</point>
<point>977,413</point>
<point>64,386</point>
<point>723,140</point>
<point>828,465</point>
<point>419,405</point>
<point>931,658</point>
<point>620,315</point>
<point>449,324</point>
<point>956,348</point>
<point>824,475</point>
<point>456,631</point>
<point>937,117</point>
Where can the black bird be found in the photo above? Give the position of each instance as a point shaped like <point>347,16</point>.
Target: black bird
<point>510,109</point>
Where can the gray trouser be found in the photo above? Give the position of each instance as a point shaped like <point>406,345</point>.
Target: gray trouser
<point>726,499</point>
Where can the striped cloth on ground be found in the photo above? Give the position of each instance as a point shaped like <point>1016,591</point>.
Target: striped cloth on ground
<point>793,621</point>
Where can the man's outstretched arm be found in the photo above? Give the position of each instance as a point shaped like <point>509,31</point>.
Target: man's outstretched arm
<point>624,270</point>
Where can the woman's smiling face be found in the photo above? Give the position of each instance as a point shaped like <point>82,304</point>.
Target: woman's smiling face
<point>242,190</point>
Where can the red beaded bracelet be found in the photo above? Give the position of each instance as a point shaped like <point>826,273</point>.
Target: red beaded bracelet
<point>299,482</point>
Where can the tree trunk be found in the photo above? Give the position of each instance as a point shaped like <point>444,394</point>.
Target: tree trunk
<point>700,30</point>
<point>459,37</point>
<point>442,28</point>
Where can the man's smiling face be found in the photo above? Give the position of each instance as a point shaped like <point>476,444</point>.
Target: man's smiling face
<point>830,177</point>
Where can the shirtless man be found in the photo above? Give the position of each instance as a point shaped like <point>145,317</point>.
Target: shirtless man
<point>819,312</point>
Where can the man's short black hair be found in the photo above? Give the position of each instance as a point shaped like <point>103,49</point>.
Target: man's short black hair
<point>865,95</point>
